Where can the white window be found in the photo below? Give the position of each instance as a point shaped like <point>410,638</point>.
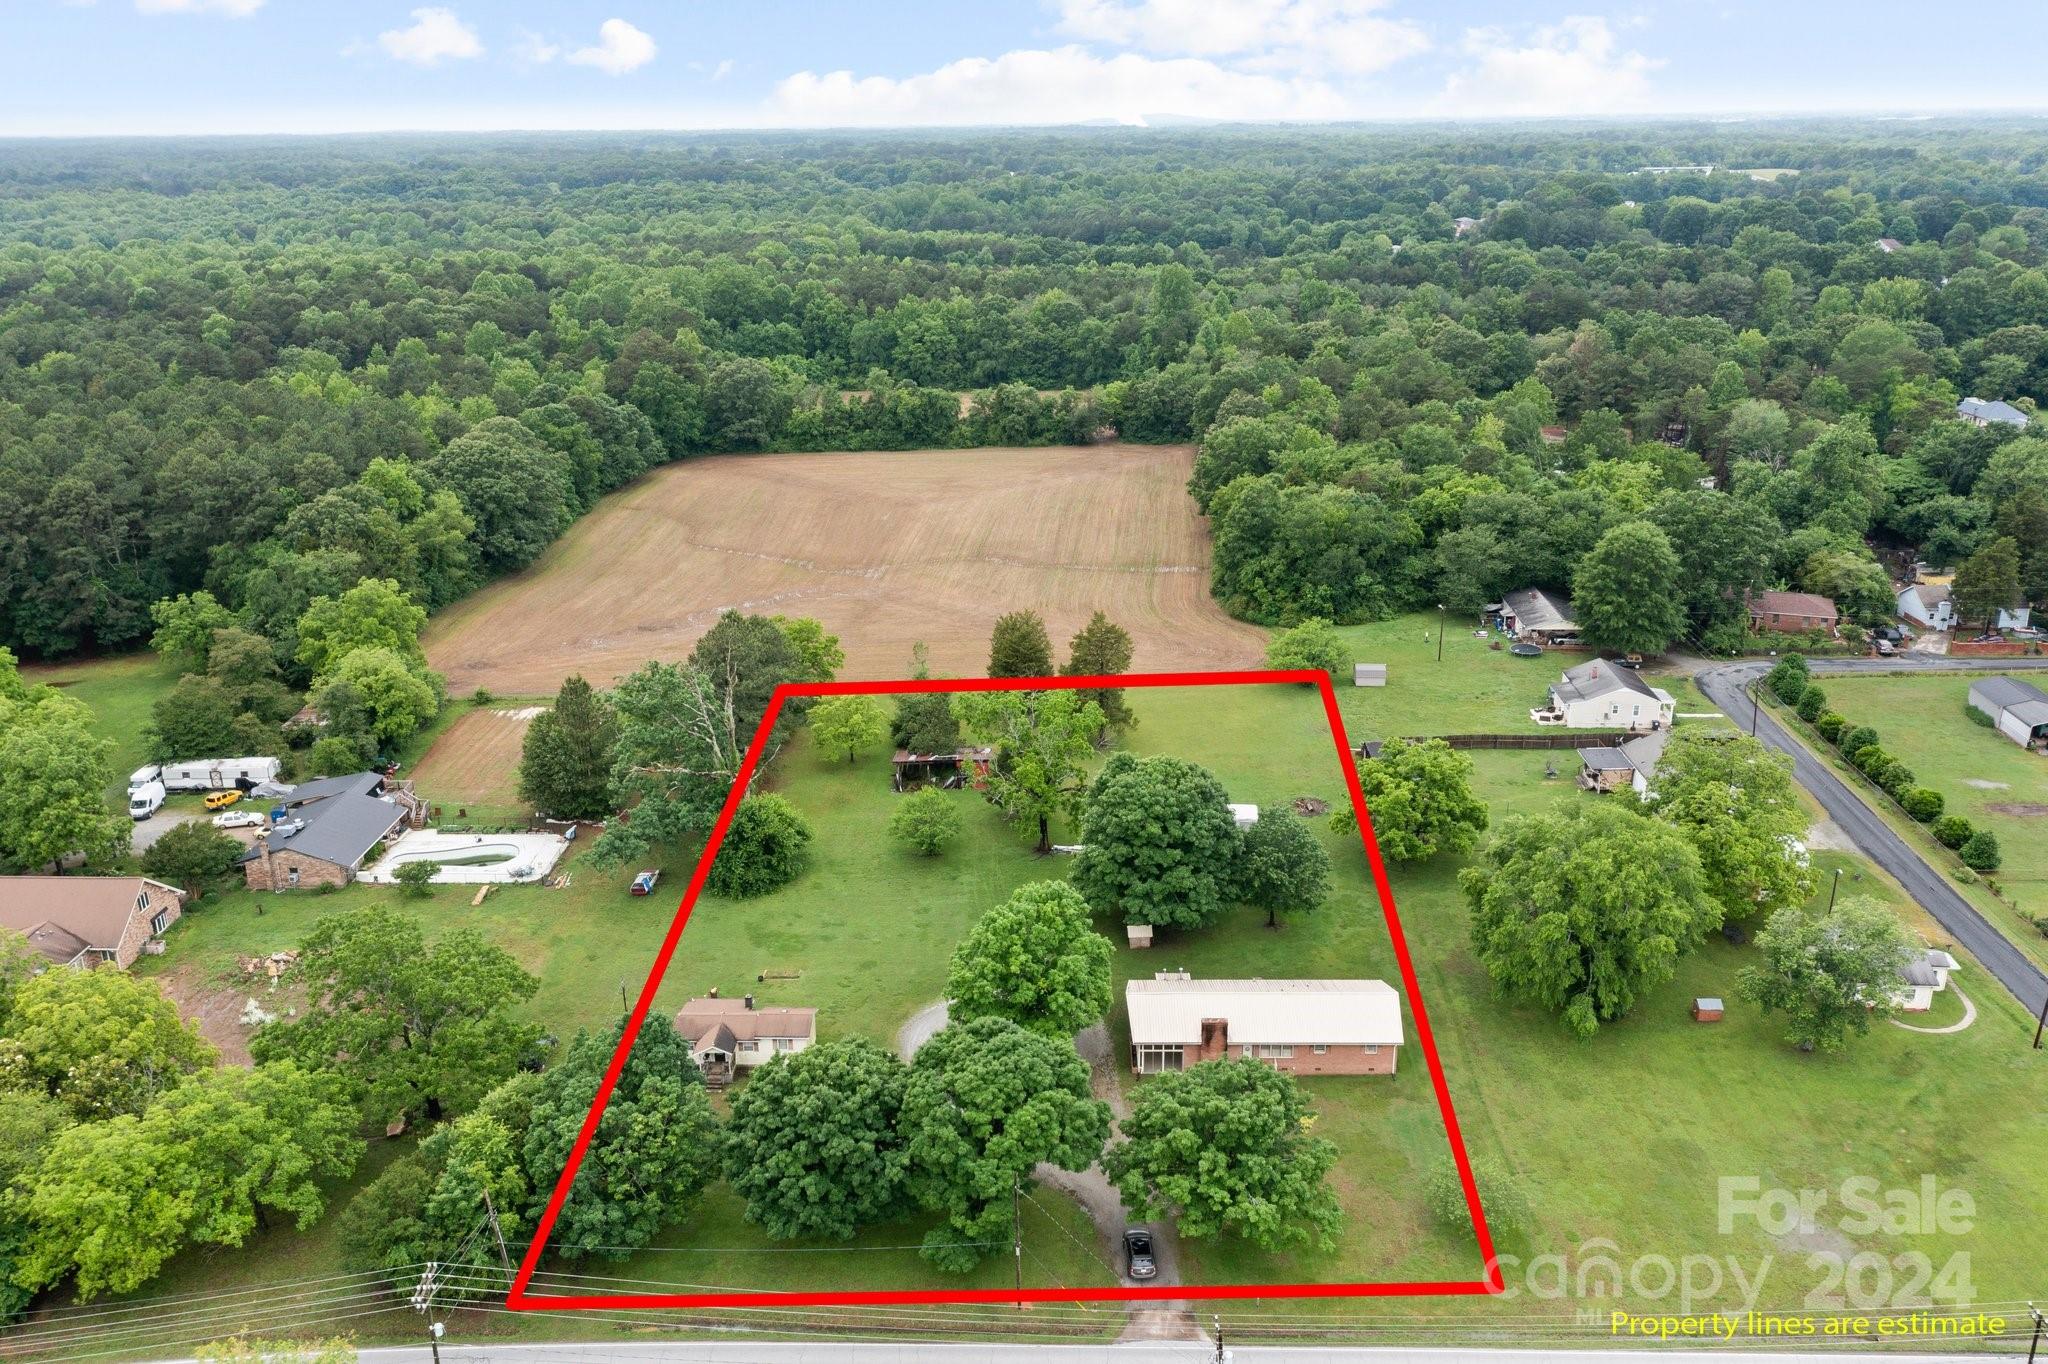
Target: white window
<point>291,876</point>
<point>1273,1051</point>
<point>1372,1049</point>
<point>1320,1051</point>
<point>1154,1058</point>
<point>160,921</point>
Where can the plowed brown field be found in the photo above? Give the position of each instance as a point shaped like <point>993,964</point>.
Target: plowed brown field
<point>885,548</point>
<point>476,761</point>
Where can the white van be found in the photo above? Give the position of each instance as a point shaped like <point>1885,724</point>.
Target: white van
<point>143,776</point>
<point>145,800</point>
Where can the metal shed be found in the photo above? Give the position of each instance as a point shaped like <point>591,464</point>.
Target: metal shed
<point>1369,675</point>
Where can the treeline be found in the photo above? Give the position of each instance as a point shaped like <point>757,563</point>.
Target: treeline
<point>204,347</point>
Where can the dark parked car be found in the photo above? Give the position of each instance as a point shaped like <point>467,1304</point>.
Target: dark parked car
<point>1138,1254</point>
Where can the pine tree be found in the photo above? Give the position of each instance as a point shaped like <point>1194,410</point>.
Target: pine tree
<point>565,769</point>
<point>1019,647</point>
<point>1102,648</point>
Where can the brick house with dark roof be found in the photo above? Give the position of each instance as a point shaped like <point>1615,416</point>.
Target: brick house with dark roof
<point>1792,613</point>
<point>87,920</point>
<point>329,826</point>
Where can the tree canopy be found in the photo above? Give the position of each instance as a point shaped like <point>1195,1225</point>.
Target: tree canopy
<point>1035,960</point>
<point>1162,846</point>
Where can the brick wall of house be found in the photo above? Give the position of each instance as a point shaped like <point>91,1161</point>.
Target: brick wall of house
<point>258,872</point>
<point>137,930</point>
<point>1780,622</point>
<point>1334,1061</point>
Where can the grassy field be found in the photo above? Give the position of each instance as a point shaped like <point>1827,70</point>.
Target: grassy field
<point>885,548</point>
<point>121,693</point>
<point>1982,776</point>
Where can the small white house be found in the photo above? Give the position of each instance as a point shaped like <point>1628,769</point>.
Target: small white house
<point>1924,976</point>
<point>1244,816</point>
<point>2016,709</point>
<point>1603,695</point>
<point>1928,605</point>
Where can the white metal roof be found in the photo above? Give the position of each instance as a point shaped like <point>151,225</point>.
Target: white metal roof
<point>1265,1012</point>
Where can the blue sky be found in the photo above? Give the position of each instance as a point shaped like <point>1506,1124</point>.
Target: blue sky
<point>205,66</point>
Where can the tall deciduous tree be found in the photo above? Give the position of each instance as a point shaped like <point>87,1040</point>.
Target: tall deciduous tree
<point>745,658</point>
<point>520,492</point>
<point>1628,591</point>
<point>1582,910</point>
<point>54,775</point>
<point>677,755</point>
<point>986,1104</point>
<point>655,1147</point>
<point>1223,1149</point>
<point>1162,846</point>
<point>814,1145</point>
<point>416,1030</point>
<point>1042,741</point>
<point>1018,646</point>
<point>1420,798</point>
<point>374,614</point>
<point>103,1043</point>
<point>849,724</point>
<point>1736,801</point>
<point>1830,975</point>
<point>185,625</point>
<point>566,759</point>
<point>1282,868</point>
<point>1988,581</point>
<point>1036,960</point>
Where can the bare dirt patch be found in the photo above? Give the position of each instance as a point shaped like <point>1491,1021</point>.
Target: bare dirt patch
<point>1985,785</point>
<point>885,548</point>
<point>475,761</point>
<point>2023,809</point>
<point>216,1009</point>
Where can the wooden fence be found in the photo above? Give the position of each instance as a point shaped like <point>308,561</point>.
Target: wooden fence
<point>1578,738</point>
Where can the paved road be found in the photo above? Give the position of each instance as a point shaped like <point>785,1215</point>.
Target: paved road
<point>1139,1352</point>
<point>1724,686</point>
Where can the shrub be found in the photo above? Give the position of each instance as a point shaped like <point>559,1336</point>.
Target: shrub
<point>416,879</point>
<point>1312,644</point>
<point>1871,760</point>
<point>1980,851</point>
<point>767,847</point>
<point>1501,1193</point>
<point>1922,803</point>
<point>1952,831</point>
<point>1788,678</point>
<point>1856,740</point>
<point>1831,724</point>
<point>925,821</point>
<point>1897,779</point>
<point>1812,702</point>
<point>1978,717</point>
<point>189,855</point>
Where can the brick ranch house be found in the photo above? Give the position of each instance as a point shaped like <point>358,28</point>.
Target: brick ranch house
<point>338,820</point>
<point>735,1034</point>
<point>86,920</point>
<point>1792,613</point>
<point>1308,1027</point>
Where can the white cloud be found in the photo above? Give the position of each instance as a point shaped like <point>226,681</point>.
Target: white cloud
<point>1575,66</point>
<point>436,35</point>
<point>619,48</point>
<point>236,9</point>
<point>530,49</point>
<point>1064,85</point>
<point>722,70</point>
<point>1306,36</point>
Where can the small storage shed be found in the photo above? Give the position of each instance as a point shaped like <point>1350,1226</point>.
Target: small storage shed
<point>1706,1009</point>
<point>1245,815</point>
<point>1368,674</point>
<point>1139,935</point>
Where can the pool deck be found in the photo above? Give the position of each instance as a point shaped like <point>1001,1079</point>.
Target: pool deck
<point>529,857</point>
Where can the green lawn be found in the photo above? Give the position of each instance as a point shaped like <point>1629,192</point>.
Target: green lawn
<point>1622,1138</point>
<point>1475,689</point>
<point>121,692</point>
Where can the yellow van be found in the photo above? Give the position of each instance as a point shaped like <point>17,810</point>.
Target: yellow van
<point>221,800</point>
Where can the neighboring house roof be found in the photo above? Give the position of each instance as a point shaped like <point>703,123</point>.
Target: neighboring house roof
<point>343,819</point>
<point>1991,410</point>
<point>1535,609</point>
<point>1591,681</point>
<point>1809,604</point>
<point>1930,595</point>
<point>1264,1012</point>
<point>1889,244</point>
<point>1640,754</point>
<point>2002,692</point>
<point>63,916</point>
<point>702,1020</point>
<point>1606,760</point>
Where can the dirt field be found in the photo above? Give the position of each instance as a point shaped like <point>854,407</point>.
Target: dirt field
<point>476,760</point>
<point>884,548</point>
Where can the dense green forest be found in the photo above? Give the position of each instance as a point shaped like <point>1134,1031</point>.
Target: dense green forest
<point>271,368</point>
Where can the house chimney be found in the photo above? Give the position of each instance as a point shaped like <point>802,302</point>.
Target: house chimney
<point>750,1001</point>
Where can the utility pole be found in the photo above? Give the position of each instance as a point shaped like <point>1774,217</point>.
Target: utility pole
<point>423,1302</point>
<point>1756,705</point>
<point>2035,1344</point>
<point>505,1256</point>
<point>1221,1353</point>
<point>1017,1238</point>
<point>1439,632</point>
<point>1832,888</point>
<point>2041,1022</point>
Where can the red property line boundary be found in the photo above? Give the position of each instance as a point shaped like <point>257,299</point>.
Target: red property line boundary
<point>1490,1281</point>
